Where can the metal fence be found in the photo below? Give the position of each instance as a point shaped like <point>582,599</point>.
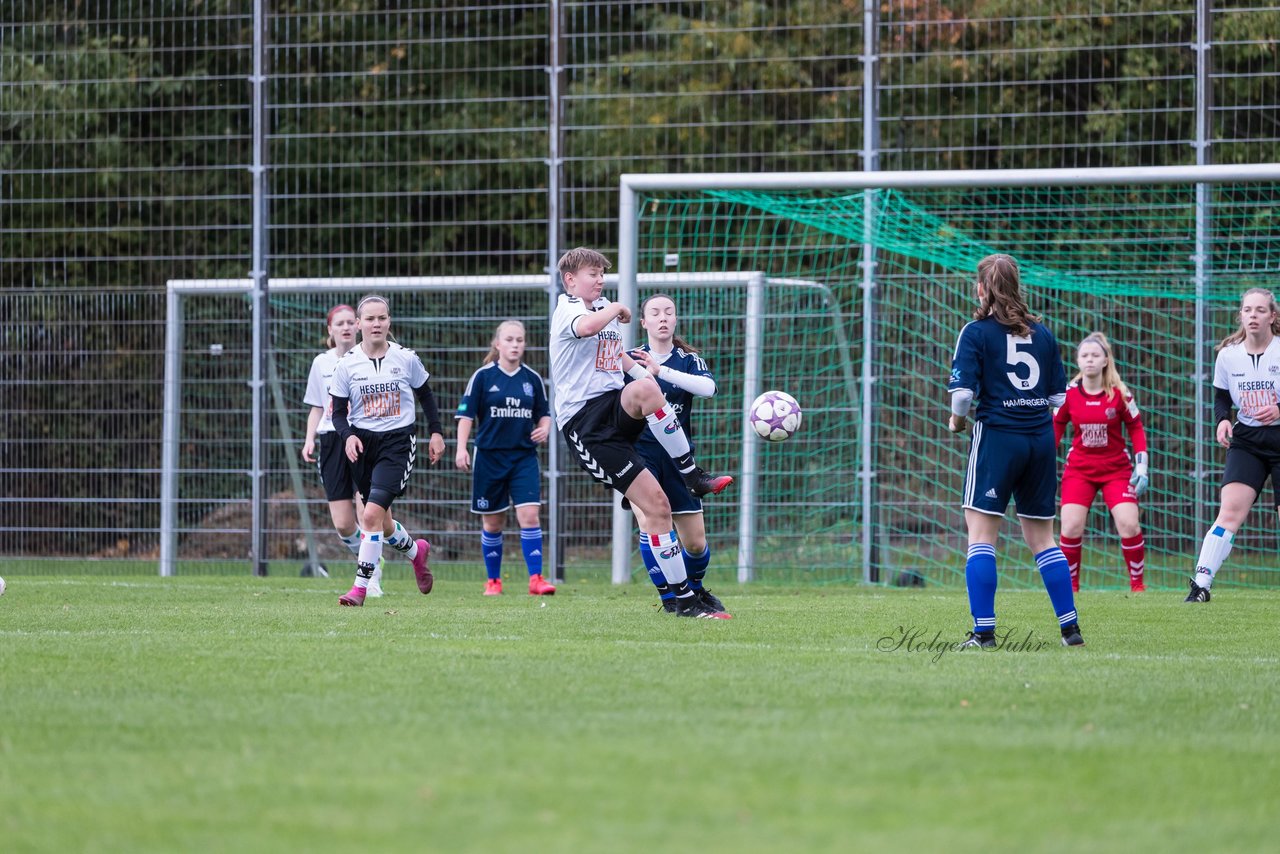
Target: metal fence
<point>408,138</point>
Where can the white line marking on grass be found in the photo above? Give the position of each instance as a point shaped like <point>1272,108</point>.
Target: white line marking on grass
<point>1183,659</point>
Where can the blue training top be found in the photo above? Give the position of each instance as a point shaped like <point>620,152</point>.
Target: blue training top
<point>506,407</point>
<point>1012,378</point>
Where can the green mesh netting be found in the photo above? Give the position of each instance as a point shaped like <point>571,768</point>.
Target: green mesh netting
<point>1119,259</point>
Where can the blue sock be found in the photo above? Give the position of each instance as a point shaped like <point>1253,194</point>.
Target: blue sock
<point>696,566</point>
<point>980,578</point>
<point>531,543</point>
<point>655,572</point>
<point>491,548</point>
<point>1057,580</point>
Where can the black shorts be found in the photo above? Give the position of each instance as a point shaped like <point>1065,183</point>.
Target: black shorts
<point>385,463</point>
<point>1254,456</point>
<point>335,472</point>
<point>602,438</point>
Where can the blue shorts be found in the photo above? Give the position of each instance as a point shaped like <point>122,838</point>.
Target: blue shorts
<point>669,478</point>
<point>505,477</point>
<point>1004,464</point>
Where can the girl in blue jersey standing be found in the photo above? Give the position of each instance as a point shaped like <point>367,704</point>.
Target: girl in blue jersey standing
<point>682,375</point>
<point>508,400</point>
<point>1007,364</point>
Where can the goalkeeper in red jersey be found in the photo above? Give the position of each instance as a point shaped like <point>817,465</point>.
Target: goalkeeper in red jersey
<point>1098,408</point>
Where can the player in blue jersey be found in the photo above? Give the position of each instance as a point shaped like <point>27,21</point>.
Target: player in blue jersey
<point>1007,364</point>
<point>682,375</point>
<point>508,401</point>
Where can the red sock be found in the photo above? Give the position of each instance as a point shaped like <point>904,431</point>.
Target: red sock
<point>1071,551</point>
<point>1135,559</point>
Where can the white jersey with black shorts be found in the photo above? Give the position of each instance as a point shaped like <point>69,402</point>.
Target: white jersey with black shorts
<point>588,380</point>
<point>381,412</point>
<point>1253,383</point>
<point>331,460</point>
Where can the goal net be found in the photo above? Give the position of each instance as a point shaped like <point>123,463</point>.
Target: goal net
<point>870,487</point>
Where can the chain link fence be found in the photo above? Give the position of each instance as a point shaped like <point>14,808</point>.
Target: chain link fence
<point>416,139</point>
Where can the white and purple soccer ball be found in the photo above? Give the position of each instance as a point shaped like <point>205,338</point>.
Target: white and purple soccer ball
<point>775,416</point>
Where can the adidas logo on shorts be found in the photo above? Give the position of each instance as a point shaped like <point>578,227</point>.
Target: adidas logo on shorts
<point>991,493</point>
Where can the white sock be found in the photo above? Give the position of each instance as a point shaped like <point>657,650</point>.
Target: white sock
<point>666,428</point>
<point>402,542</point>
<point>667,552</point>
<point>370,554</point>
<point>352,541</point>
<point>1217,545</point>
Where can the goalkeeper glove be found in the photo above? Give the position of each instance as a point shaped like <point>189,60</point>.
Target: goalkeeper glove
<point>1139,480</point>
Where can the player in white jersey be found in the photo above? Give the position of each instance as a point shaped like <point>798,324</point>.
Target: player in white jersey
<point>373,390</point>
<point>600,419</point>
<point>335,476</point>
<point>683,376</point>
<point>1246,376</point>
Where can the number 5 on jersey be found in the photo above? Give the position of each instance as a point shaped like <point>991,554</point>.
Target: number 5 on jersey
<point>1016,357</point>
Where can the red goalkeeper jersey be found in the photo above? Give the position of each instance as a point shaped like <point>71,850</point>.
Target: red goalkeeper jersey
<point>1098,448</point>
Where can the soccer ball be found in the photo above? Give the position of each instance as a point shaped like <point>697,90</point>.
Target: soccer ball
<point>1,586</point>
<point>775,416</point>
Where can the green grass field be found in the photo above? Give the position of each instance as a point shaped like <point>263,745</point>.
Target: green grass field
<point>221,714</point>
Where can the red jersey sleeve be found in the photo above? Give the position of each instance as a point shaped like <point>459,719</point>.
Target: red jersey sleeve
<point>1132,419</point>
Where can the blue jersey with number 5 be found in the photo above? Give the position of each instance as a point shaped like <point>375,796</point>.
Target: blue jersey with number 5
<point>1011,377</point>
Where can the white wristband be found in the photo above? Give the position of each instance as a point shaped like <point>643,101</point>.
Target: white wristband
<point>638,371</point>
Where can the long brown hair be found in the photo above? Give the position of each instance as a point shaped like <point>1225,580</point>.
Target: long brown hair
<point>1110,376</point>
<point>1002,294</point>
<point>328,321</point>
<point>1239,335</point>
<point>492,355</point>
<point>676,340</point>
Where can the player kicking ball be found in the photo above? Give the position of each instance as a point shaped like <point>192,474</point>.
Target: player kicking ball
<point>601,417</point>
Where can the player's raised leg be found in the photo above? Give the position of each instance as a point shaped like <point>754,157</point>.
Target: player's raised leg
<point>645,400</point>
